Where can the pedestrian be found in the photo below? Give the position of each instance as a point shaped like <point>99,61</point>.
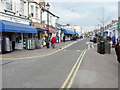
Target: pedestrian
<point>47,42</point>
<point>58,39</point>
<point>113,40</point>
<point>117,50</point>
<point>63,38</point>
<point>53,41</point>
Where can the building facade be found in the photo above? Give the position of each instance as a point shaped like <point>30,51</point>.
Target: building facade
<point>13,17</point>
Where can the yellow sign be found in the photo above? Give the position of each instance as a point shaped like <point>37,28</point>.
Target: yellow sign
<point>38,25</point>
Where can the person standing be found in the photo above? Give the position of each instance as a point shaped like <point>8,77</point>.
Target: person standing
<point>117,50</point>
<point>53,41</point>
<point>58,39</point>
<point>47,42</point>
<point>113,40</point>
<point>63,38</point>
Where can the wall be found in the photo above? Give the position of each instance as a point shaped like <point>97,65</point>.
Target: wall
<point>16,8</point>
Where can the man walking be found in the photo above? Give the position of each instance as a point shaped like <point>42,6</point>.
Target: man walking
<point>53,41</point>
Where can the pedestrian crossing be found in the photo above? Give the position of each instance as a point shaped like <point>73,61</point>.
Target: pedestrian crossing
<point>90,45</point>
<point>72,50</point>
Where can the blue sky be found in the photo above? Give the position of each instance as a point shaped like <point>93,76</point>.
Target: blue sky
<point>83,13</point>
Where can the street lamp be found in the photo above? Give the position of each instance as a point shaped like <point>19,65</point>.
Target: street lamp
<point>48,6</point>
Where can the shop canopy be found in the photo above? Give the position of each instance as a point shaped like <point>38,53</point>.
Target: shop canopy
<point>68,32</point>
<point>15,27</point>
<point>41,29</point>
<point>106,32</point>
<point>76,33</point>
<point>52,30</point>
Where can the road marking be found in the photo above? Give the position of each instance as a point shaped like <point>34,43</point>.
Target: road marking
<point>65,50</point>
<point>78,50</point>
<point>89,46</point>
<point>39,55</point>
<point>72,79</point>
<point>92,46</point>
<point>78,62</point>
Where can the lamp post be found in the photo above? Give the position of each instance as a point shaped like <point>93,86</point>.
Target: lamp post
<point>48,6</point>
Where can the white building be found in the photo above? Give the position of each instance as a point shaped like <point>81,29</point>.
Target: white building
<point>118,29</point>
<point>15,13</point>
<point>53,20</point>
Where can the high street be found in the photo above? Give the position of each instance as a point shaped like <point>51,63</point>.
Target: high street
<point>73,67</point>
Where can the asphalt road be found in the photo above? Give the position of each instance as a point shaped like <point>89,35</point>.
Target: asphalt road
<point>72,67</point>
<point>45,72</point>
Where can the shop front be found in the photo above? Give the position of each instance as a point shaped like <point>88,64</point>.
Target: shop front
<point>16,33</point>
<point>51,31</point>
<point>41,29</point>
<point>68,34</point>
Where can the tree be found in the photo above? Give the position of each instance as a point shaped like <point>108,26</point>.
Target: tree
<point>103,18</point>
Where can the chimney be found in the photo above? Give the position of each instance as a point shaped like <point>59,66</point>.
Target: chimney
<point>68,24</point>
<point>42,3</point>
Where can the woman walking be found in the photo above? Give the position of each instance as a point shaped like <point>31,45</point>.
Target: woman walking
<point>53,41</point>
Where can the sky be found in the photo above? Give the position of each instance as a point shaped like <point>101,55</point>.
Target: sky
<point>83,12</point>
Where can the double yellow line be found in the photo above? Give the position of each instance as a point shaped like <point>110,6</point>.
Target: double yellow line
<point>68,82</point>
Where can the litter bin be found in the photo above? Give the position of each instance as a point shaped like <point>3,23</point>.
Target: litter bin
<point>102,47</point>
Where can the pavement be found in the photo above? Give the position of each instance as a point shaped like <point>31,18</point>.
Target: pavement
<point>27,54</point>
<point>97,71</point>
<point>76,66</point>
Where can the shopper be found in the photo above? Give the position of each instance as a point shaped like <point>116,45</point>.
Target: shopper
<point>63,38</point>
<point>117,49</point>
<point>53,41</point>
<point>58,38</point>
<point>113,40</point>
<point>47,42</point>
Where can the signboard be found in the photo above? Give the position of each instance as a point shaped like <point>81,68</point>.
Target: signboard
<point>38,25</point>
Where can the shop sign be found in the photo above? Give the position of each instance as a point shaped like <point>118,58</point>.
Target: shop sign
<point>38,25</point>
<point>118,25</point>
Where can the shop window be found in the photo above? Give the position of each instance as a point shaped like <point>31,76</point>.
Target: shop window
<point>32,10</point>
<point>9,4</point>
<point>22,7</point>
<point>36,12</point>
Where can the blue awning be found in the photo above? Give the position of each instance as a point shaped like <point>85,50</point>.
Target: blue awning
<point>76,33</point>
<point>68,32</point>
<point>15,27</point>
<point>106,32</point>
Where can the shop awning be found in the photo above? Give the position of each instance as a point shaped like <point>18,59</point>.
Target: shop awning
<point>52,31</point>
<point>15,27</point>
<point>76,33</point>
<point>106,31</point>
<point>41,29</point>
<point>68,32</point>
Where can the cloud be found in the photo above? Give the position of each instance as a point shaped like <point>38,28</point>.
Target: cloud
<point>69,16</point>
